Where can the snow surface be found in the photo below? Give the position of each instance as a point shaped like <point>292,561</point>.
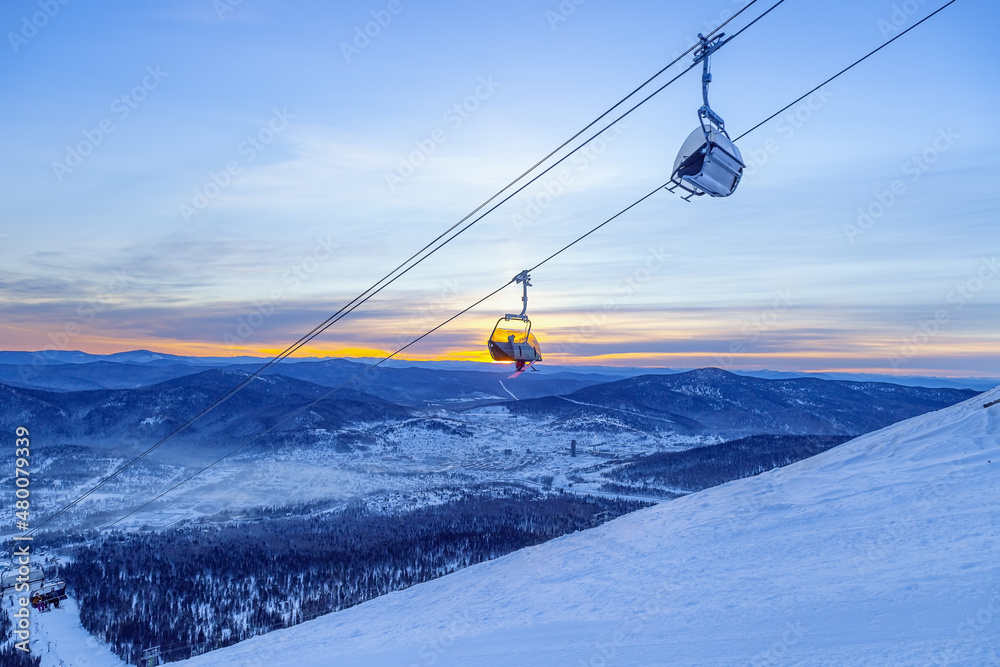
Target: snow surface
<point>881,551</point>
<point>58,638</point>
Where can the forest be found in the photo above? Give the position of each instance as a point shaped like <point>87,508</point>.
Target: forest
<point>702,467</point>
<point>199,588</point>
<point>10,656</point>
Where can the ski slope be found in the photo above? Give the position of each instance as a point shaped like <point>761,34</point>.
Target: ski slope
<point>881,551</point>
<point>59,640</point>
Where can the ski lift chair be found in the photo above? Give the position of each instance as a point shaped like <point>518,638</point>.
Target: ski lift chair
<point>517,344</point>
<point>708,162</point>
<point>52,593</point>
<point>10,577</point>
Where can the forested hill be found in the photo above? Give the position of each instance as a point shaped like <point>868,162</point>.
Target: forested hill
<point>714,401</point>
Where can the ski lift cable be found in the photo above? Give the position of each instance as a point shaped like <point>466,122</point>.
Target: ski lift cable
<point>387,280</point>
<point>488,296</point>
<point>320,327</point>
<point>851,66</point>
<point>390,278</point>
<point>346,311</point>
<point>309,406</point>
<point>339,315</point>
<point>381,361</point>
<point>758,125</point>
<point>589,125</point>
<point>512,280</point>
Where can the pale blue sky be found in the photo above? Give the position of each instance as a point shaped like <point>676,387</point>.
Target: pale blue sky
<point>330,128</point>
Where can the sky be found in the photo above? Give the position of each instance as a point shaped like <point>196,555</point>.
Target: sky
<point>217,177</point>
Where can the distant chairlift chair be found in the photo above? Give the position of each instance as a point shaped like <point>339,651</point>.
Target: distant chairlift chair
<point>9,577</point>
<point>519,345</point>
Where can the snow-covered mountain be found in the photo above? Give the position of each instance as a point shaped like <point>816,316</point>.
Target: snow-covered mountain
<point>114,417</point>
<point>706,403</point>
<point>883,551</point>
<point>397,380</point>
<point>713,401</point>
<point>415,386</point>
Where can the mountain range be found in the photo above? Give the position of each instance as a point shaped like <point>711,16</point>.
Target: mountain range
<point>117,417</point>
<point>713,401</point>
<point>707,402</point>
<point>59,370</point>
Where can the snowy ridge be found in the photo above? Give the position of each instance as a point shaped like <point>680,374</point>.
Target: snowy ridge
<point>880,551</point>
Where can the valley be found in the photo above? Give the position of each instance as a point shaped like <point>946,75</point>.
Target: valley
<point>287,459</point>
<point>284,441</point>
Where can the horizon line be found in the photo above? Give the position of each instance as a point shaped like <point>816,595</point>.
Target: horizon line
<point>584,362</point>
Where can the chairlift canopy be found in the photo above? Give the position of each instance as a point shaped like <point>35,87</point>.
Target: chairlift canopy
<point>510,343</point>
<point>708,163</point>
